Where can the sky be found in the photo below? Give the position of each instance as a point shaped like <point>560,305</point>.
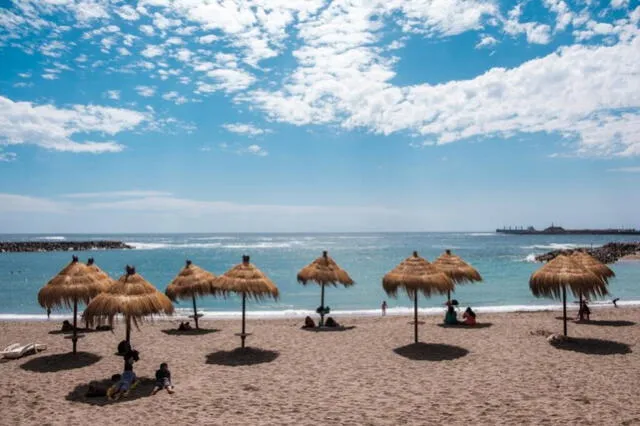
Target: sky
<point>317,115</point>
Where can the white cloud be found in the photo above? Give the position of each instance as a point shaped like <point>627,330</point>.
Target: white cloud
<point>635,169</point>
<point>24,75</point>
<point>231,80</point>
<point>7,157</point>
<point>152,51</point>
<point>128,13</point>
<point>535,32</point>
<point>118,194</point>
<point>207,39</point>
<point>147,30</point>
<point>123,51</point>
<point>54,48</point>
<point>26,204</point>
<point>113,94</point>
<point>245,129</point>
<point>53,128</point>
<point>146,91</point>
<point>255,150</point>
<point>82,58</point>
<point>50,76</point>
<point>486,41</point>
<point>617,4</point>
<point>175,97</point>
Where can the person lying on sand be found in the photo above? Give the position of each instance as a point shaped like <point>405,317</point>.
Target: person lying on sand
<point>163,379</point>
<point>66,326</point>
<point>96,390</point>
<point>308,323</point>
<point>469,317</point>
<point>330,322</point>
<point>127,382</point>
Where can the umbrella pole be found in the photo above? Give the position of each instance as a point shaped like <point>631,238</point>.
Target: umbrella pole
<point>580,311</point>
<point>449,296</point>
<point>415,317</point>
<point>195,311</point>
<point>74,339</point>
<point>564,308</point>
<point>244,305</point>
<point>128,335</point>
<point>321,306</point>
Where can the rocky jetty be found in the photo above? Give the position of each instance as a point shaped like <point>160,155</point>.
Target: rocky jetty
<point>608,253</point>
<point>36,246</point>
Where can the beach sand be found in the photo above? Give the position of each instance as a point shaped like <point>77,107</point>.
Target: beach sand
<point>504,373</point>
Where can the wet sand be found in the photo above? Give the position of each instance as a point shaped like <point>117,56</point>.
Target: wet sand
<point>504,372</point>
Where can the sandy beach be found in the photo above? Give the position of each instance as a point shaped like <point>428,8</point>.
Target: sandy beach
<point>504,372</point>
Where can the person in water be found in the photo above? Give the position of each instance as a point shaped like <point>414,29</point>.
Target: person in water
<point>469,317</point>
<point>451,317</point>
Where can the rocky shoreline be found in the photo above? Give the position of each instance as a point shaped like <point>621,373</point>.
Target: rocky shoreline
<point>608,253</point>
<point>44,246</point>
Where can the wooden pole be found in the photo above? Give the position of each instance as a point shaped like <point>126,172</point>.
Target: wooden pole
<point>580,311</point>
<point>244,306</point>
<point>564,308</point>
<point>195,311</point>
<point>415,317</point>
<point>128,335</point>
<point>321,306</point>
<point>449,296</point>
<point>74,339</point>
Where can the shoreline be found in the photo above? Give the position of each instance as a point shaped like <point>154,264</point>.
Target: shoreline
<point>183,313</point>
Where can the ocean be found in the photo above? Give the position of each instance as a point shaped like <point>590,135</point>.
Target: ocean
<point>504,261</point>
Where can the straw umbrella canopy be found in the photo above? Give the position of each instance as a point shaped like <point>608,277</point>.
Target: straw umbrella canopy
<point>415,274</point>
<point>249,281</point>
<point>100,275</point>
<point>457,269</point>
<point>593,265</point>
<point>552,280</point>
<point>74,283</point>
<point>191,282</point>
<point>133,297</point>
<point>324,271</point>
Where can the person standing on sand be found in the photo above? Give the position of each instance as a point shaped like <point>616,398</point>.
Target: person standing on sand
<point>384,307</point>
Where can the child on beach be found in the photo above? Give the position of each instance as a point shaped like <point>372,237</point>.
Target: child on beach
<point>451,317</point>
<point>163,379</point>
<point>126,383</point>
<point>469,317</point>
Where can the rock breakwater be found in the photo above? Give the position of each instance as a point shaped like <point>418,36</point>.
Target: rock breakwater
<point>40,246</point>
<point>608,253</point>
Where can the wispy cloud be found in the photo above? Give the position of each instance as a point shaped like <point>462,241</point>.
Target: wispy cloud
<point>146,91</point>
<point>245,129</point>
<point>626,169</point>
<point>118,194</point>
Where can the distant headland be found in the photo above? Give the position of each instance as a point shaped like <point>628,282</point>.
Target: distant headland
<point>608,253</point>
<point>558,230</point>
<point>41,246</point>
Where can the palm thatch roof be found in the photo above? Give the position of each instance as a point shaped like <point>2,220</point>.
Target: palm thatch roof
<point>131,295</point>
<point>564,271</point>
<point>324,270</point>
<point>456,268</point>
<point>593,264</point>
<point>74,283</point>
<point>104,278</point>
<point>192,281</point>
<point>416,274</point>
<point>246,278</point>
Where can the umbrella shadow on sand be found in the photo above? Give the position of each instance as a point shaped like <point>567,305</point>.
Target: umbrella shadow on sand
<point>431,352</point>
<point>192,332</point>
<point>242,356</point>
<point>593,346</point>
<point>60,362</point>
<point>604,323</point>
<point>467,327</point>
<point>78,394</point>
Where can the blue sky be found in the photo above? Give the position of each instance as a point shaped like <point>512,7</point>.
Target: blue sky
<point>311,115</point>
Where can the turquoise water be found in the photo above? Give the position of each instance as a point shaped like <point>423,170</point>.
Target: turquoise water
<point>505,262</point>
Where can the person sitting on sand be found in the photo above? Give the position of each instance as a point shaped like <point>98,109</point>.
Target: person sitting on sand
<point>584,311</point>
<point>469,317</point>
<point>308,323</point>
<point>185,326</point>
<point>66,326</point>
<point>163,379</point>
<point>129,358</point>
<point>330,322</point>
<point>451,317</point>
<point>123,347</point>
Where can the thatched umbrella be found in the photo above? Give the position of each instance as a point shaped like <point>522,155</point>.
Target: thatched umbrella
<point>75,283</point>
<point>191,282</point>
<point>552,280</point>
<point>595,266</point>
<point>247,280</point>
<point>133,297</point>
<point>457,269</point>
<point>104,278</point>
<point>324,271</point>
<point>415,274</point>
